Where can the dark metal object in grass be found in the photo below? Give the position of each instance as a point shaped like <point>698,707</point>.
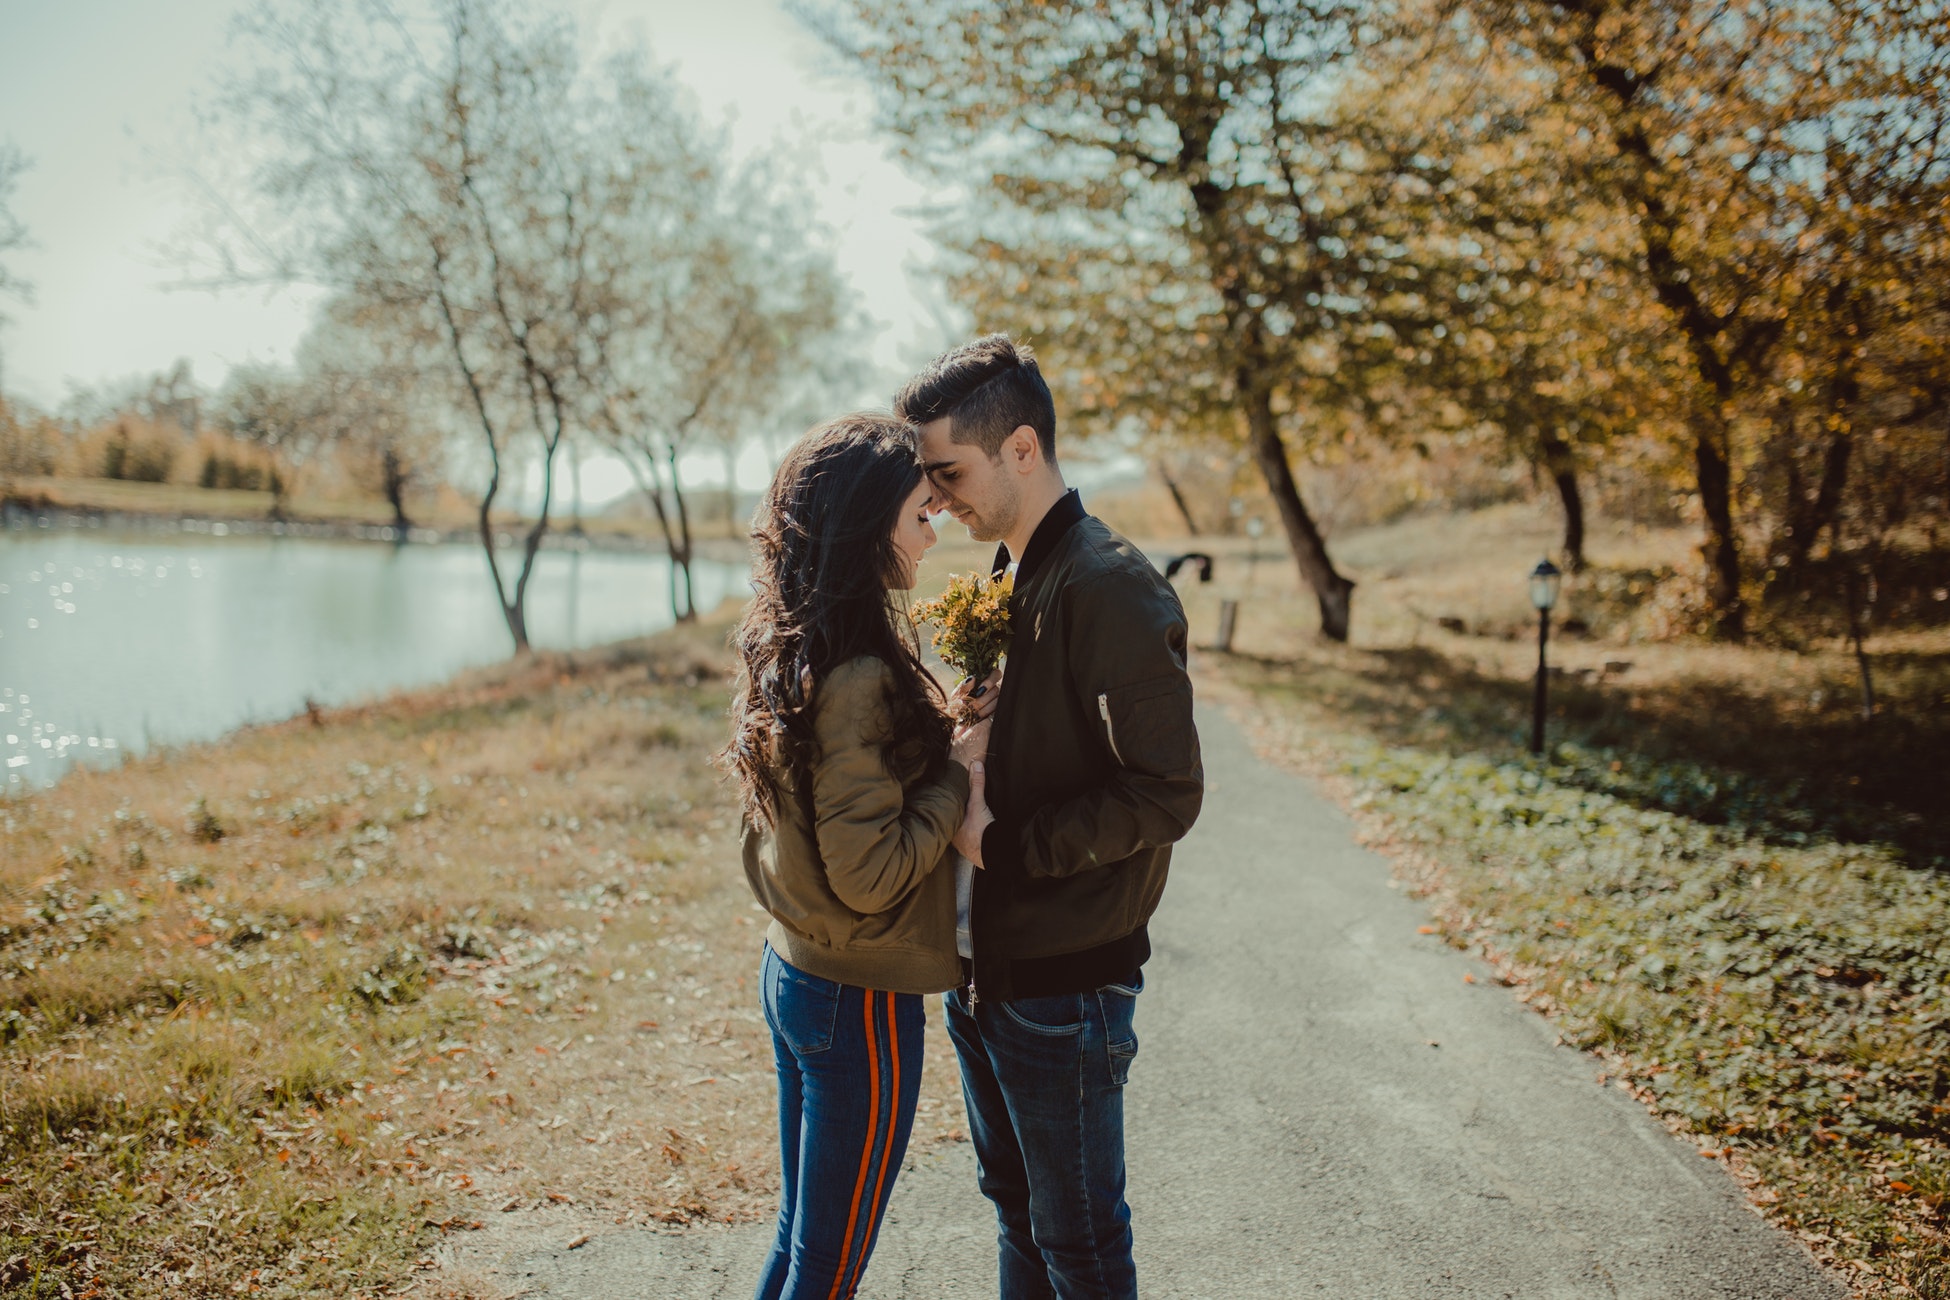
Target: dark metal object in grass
<point>1198,559</point>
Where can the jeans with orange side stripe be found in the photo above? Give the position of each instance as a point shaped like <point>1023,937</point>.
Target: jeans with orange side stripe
<point>849,1063</point>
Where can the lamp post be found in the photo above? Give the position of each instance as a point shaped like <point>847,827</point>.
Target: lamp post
<point>1543,594</point>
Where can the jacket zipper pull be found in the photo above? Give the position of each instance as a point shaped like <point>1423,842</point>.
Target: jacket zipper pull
<point>973,996</point>
<point>1110,732</point>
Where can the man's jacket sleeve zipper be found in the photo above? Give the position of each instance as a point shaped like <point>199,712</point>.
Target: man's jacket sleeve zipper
<point>1110,732</point>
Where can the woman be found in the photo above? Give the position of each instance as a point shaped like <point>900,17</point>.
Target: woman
<point>853,782</point>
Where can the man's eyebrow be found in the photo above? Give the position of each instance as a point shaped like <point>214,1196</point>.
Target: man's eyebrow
<point>930,466</point>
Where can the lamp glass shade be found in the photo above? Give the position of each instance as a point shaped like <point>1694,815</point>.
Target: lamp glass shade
<point>1543,584</point>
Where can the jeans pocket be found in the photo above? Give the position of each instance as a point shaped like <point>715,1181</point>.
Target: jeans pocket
<point>802,1009</point>
<point>1121,1056</point>
<point>1052,1016</point>
<point>1119,1003</point>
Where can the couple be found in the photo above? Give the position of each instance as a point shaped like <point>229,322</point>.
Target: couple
<point>1004,846</point>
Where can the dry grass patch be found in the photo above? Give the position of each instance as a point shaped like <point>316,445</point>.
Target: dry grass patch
<point>280,1011</point>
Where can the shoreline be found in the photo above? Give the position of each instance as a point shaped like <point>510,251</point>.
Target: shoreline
<point>30,511</point>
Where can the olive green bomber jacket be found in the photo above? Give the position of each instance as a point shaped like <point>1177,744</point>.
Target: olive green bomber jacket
<point>864,893</point>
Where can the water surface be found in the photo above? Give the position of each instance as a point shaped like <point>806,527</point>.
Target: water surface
<point>113,643</point>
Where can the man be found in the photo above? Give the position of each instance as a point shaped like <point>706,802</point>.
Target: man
<point>1093,772</point>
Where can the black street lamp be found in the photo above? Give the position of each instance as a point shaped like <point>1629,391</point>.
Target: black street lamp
<point>1543,594</point>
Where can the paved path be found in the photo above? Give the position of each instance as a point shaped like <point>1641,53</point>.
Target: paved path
<point>1293,1130</point>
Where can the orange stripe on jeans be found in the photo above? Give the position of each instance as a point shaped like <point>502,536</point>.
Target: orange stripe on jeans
<point>866,1154</point>
<point>887,1154</point>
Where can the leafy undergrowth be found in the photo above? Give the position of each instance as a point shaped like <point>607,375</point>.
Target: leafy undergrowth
<point>277,1013</point>
<point>1788,1003</point>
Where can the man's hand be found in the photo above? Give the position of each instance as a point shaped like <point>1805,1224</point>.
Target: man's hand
<point>977,818</point>
<point>970,742</point>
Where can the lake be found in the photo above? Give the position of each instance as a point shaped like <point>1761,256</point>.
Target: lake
<point>111,643</point>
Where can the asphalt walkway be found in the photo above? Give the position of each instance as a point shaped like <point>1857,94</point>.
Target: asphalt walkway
<point>1321,1105</point>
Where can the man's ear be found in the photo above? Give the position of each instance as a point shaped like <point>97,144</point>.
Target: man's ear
<point>1024,449</point>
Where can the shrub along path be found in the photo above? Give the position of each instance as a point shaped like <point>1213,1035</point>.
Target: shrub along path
<point>1328,1100</point>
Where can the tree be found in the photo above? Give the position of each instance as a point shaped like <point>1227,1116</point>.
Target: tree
<point>273,408</point>
<point>559,234</point>
<point>1165,202</point>
<point>377,407</point>
<point>716,321</point>
<point>1516,309</point>
<point>351,395</point>
<point>1778,164</point>
<point>442,191</point>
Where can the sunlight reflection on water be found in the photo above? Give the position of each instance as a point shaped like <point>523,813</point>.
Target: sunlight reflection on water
<point>111,643</point>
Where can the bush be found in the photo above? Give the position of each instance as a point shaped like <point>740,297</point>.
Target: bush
<point>221,471</point>
<point>139,456</point>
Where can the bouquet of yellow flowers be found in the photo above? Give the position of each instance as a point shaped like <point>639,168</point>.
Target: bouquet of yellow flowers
<point>972,616</point>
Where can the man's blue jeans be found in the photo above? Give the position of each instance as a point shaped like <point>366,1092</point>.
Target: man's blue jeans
<point>849,1063</point>
<point>1044,1082</point>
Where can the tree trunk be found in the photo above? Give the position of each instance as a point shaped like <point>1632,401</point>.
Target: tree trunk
<point>394,472</point>
<point>532,544</point>
<point>1334,592</point>
<point>511,613</point>
<point>685,611</point>
<point>1718,343</point>
<point>1178,499</point>
<point>1563,467</point>
<point>517,622</point>
<point>1722,546</point>
<point>677,537</point>
<point>1806,515</point>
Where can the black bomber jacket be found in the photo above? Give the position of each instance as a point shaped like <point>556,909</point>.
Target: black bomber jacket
<point>1093,765</point>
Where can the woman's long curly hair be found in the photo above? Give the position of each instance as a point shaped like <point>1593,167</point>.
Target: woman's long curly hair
<point>823,556</point>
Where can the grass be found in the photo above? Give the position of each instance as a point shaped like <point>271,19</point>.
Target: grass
<point>1720,878</point>
<point>283,1013</point>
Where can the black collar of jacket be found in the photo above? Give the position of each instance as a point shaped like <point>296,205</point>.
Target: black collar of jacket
<point>1063,516</point>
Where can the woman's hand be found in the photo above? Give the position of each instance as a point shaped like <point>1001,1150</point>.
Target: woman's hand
<point>973,700</point>
<point>977,818</point>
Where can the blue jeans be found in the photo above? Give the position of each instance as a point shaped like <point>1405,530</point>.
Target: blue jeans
<point>1044,1082</point>
<point>849,1063</point>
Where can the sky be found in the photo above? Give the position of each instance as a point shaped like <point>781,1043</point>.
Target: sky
<point>100,94</point>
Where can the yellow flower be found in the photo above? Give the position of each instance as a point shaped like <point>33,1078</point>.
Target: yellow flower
<point>972,616</point>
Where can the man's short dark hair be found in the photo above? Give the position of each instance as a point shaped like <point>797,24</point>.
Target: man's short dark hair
<point>990,388</point>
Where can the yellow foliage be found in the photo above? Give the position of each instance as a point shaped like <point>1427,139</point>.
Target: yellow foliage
<point>972,616</point>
